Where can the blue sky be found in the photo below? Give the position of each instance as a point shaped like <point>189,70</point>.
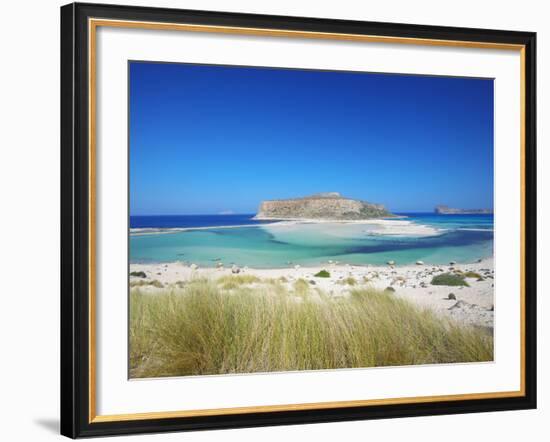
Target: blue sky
<point>212,139</point>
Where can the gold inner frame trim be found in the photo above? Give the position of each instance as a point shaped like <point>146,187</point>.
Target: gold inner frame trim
<point>93,24</point>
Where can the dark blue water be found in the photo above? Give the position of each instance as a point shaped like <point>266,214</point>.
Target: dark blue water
<point>474,221</point>
<point>173,221</point>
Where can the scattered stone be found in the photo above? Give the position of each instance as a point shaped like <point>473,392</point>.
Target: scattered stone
<point>138,274</point>
<point>219,264</point>
<point>235,269</point>
<point>194,266</point>
<point>451,296</point>
<point>479,260</point>
<point>492,308</point>
<point>420,263</point>
<point>391,263</point>
<point>458,304</point>
<point>452,263</point>
<point>312,282</point>
<point>296,267</point>
<point>389,289</point>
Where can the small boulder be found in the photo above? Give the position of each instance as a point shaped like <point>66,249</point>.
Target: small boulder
<point>389,289</point>
<point>452,263</point>
<point>451,296</point>
<point>235,269</point>
<point>419,263</point>
<point>219,264</point>
<point>459,304</point>
<point>391,263</point>
<point>194,266</point>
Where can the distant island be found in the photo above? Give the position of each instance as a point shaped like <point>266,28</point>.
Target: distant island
<point>326,206</point>
<point>446,210</point>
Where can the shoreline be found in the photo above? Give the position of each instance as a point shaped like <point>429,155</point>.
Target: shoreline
<point>473,305</point>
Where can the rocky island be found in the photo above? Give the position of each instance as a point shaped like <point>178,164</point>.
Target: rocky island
<point>321,206</point>
<point>446,210</point>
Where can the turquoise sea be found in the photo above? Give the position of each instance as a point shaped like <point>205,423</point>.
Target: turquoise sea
<point>461,238</point>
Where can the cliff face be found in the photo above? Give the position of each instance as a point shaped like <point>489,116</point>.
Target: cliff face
<point>330,206</point>
<point>445,210</point>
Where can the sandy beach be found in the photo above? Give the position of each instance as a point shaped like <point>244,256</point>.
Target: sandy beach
<point>393,227</point>
<point>472,305</point>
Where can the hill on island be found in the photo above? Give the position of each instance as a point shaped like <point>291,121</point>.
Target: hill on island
<point>326,206</point>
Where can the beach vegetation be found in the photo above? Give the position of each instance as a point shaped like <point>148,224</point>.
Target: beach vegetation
<point>154,283</point>
<point>234,281</point>
<point>350,280</point>
<point>301,287</point>
<point>200,329</point>
<point>139,274</point>
<point>451,279</point>
<point>322,274</point>
<point>471,274</point>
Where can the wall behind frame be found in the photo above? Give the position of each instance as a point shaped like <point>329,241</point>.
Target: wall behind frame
<point>29,220</point>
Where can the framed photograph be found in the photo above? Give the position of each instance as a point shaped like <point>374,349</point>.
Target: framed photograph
<point>274,220</point>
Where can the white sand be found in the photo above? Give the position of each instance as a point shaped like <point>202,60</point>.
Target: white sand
<point>371,227</point>
<point>473,305</point>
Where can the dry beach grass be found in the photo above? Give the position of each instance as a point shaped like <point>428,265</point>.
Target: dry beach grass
<point>243,324</point>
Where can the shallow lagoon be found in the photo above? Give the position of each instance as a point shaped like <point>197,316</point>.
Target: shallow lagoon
<point>435,239</point>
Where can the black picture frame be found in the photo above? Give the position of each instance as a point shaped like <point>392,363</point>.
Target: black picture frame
<point>75,221</point>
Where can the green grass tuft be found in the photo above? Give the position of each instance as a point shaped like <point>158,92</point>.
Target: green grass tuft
<point>350,280</point>
<point>301,287</point>
<point>449,279</point>
<point>472,275</point>
<point>201,329</point>
<point>322,274</point>
<point>230,282</point>
<point>153,283</point>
